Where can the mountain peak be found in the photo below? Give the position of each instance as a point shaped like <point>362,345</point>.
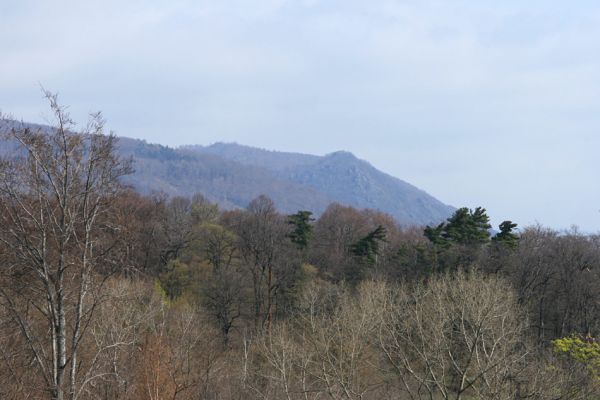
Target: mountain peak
<point>343,178</point>
<point>341,155</point>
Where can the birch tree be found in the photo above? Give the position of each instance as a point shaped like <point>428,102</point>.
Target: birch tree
<point>56,230</point>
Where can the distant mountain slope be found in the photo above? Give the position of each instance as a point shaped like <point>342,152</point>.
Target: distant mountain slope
<point>232,175</point>
<point>343,178</point>
<point>231,184</point>
<point>269,159</point>
<point>355,182</point>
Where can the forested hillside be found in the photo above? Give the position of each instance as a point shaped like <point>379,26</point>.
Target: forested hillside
<point>108,293</point>
<point>227,183</point>
<point>342,178</point>
<point>232,175</point>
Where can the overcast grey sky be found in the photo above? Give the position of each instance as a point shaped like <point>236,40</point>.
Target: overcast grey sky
<point>492,103</point>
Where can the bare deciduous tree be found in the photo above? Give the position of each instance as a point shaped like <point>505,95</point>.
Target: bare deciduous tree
<point>326,351</point>
<point>458,337</point>
<point>222,291</point>
<point>262,237</point>
<point>55,224</point>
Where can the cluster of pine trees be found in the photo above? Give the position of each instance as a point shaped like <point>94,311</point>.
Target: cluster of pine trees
<point>109,294</point>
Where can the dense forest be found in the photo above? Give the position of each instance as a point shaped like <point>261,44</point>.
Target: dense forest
<point>106,293</point>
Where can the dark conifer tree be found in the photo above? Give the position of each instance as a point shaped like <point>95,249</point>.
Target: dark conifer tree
<point>506,235</point>
<point>302,228</point>
<point>464,227</point>
<point>367,248</point>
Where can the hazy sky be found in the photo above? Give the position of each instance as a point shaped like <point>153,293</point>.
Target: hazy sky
<point>492,103</point>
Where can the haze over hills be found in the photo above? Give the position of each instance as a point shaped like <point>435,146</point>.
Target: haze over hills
<point>341,177</point>
<point>232,175</point>
<point>228,183</point>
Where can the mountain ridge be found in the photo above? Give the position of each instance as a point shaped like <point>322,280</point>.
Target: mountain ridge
<point>342,176</point>
<point>232,175</point>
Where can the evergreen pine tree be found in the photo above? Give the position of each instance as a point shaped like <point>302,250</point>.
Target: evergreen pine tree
<point>367,248</point>
<point>465,227</point>
<point>506,235</point>
<point>302,228</point>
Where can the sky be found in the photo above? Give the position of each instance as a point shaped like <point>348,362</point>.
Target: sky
<point>479,103</point>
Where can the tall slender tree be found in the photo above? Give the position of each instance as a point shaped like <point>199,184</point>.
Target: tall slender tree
<point>57,232</point>
<point>302,228</point>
